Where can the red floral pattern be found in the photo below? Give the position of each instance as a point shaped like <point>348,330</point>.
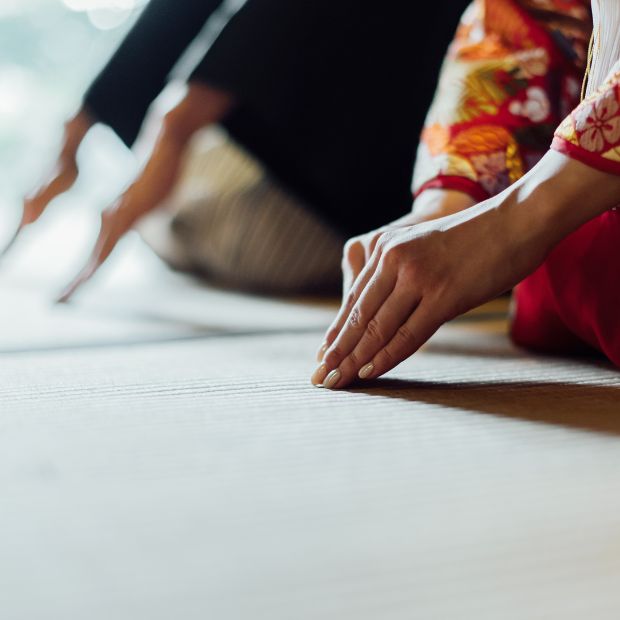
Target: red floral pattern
<point>511,75</point>
<point>591,133</point>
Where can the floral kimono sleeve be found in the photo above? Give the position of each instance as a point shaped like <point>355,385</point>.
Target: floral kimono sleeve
<point>591,133</point>
<point>511,75</point>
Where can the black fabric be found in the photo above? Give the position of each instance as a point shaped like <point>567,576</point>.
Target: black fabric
<point>332,94</point>
<point>138,70</point>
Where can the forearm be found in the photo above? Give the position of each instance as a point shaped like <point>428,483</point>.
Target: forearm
<point>558,196</point>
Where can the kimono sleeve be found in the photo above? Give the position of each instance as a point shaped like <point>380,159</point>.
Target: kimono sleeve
<point>510,76</point>
<point>591,133</point>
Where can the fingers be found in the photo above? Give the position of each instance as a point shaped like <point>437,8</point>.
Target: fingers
<point>353,324</point>
<point>374,297</point>
<point>348,302</point>
<point>353,262</point>
<point>11,242</point>
<point>87,272</point>
<point>33,206</point>
<point>60,180</point>
<point>114,224</point>
<point>359,254</point>
<point>422,324</point>
<point>378,353</point>
<point>379,331</point>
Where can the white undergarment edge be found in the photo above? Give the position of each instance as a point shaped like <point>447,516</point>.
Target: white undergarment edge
<point>606,57</point>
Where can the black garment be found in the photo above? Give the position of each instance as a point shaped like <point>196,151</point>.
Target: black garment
<point>332,94</point>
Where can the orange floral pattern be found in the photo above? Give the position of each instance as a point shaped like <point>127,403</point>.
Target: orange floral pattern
<point>512,73</point>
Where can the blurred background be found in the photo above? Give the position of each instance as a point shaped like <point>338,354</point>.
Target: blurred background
<point>50,50</point>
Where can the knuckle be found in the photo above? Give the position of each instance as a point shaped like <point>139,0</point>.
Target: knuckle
<point>353,251</point>
<point>331,335</point>
<point>373,242</point>
<point>404,334</point>
<point>352,361</point>
<point>355,319</point>
<point>386,358</point>
<point>392,256</point>
<point>350,299</point>
<point>333,357</point>
<point>374,330</point>
<point>410,270</point>
<point>383,241</point>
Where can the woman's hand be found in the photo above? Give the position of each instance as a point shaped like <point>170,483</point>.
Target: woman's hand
<point>418,277</point>
<point>200,107</point>
<point>432,204</point>
<point>60,178</point>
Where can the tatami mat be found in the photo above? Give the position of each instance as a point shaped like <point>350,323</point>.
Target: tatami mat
<point>208,479</point>
<point>163,456</point>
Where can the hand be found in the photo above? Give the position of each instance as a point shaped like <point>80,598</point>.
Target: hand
<point>421,276</point>
<point>199,107</point>
<point>60,178</point>
<point>115,222</point>
<point>431,205</point>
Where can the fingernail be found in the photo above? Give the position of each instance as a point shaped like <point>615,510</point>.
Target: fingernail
<point>366,371</point>
<point>319,375</point>
<point>321,352</point>
<point>332,379</point>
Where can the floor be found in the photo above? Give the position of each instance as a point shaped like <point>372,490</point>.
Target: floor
<point>162,455</point>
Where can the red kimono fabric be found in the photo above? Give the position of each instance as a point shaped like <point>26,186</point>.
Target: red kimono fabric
<point>512,74</point>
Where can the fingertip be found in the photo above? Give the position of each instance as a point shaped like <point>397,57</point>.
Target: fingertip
<point>67,293</point>
<point>12,241</point>
<point>333,379</point>
<point>366,371</point>
<point>63,298</point>
<point>319,375</point>
<point>320,354</point>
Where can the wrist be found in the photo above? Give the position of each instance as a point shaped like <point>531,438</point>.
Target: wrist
<point>434,203</point>
<point>557,197</point>
<point>561,194</point>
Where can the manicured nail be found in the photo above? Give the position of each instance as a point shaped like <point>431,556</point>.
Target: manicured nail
<point>366,371</point>
<point>321,352</point>
<point>332,379</point>
<point>319,375</point>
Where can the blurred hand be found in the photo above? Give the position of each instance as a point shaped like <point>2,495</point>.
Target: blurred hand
<point>115,222</point>
<point>200,107</point>
<point>59,178</point>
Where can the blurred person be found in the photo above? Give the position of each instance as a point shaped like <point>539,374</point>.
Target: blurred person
<point>319,105</point>
<point>516,184</point>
